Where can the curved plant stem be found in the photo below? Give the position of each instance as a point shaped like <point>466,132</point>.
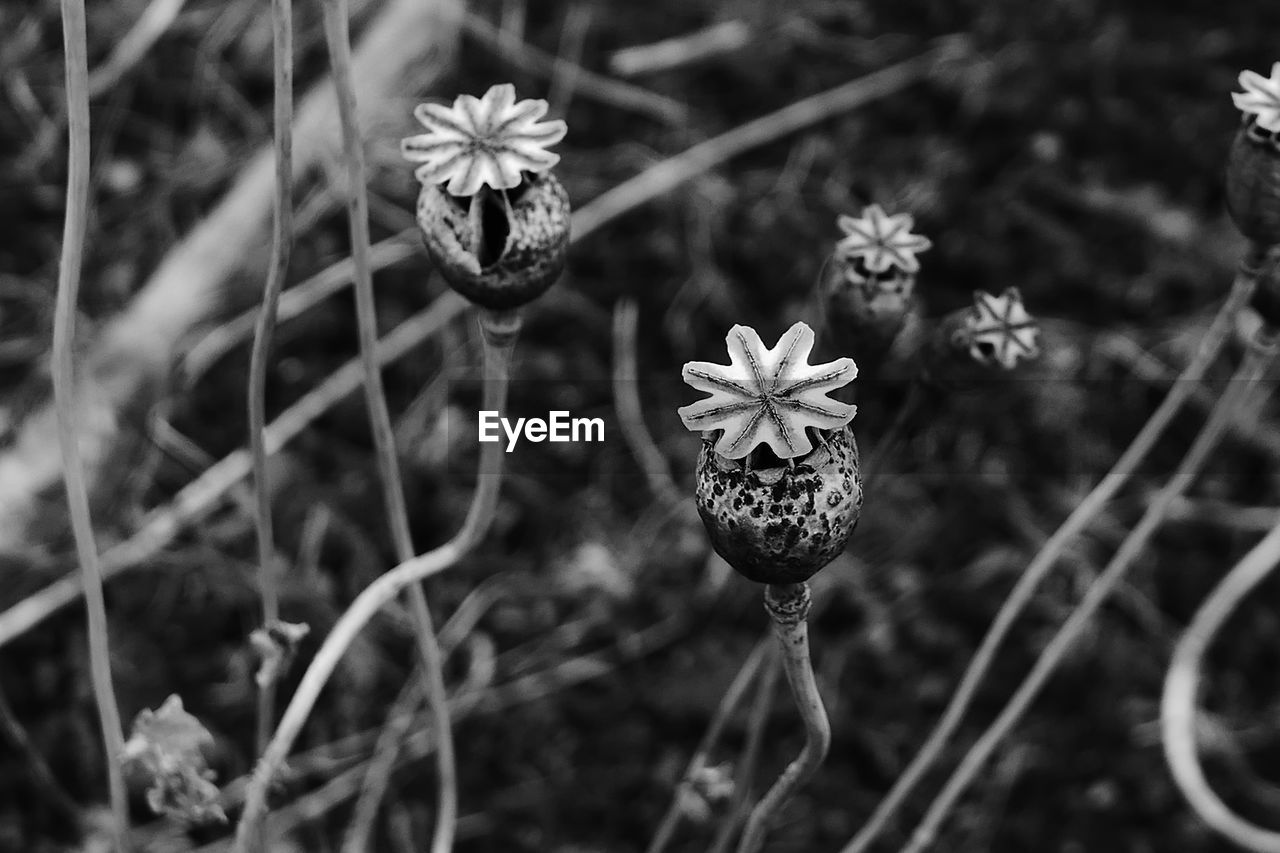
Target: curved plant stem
<point>500,332</point>
<point>1178,704</point>
<point>788,606</point>
<point>1044,561</point>
<point>1251,369</point>
<point>64,391</point>
<point>728,704</point>
<point>339,43</point>
<point>626,396</point>
<point>43,781</point>
<point>746,769</point>
<point>281,245</point>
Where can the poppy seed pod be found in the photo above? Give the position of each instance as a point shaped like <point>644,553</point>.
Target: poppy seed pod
<point>1253,183</point>
<point>495,221</point>
<point>995,331</point>
<point>869,290</point>
<point>520,251</point>
<point>1253,164</point>
<point>864,309</point>
<point>777,507</point>
<point>781,524</point>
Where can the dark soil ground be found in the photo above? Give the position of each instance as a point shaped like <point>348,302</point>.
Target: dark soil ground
<point>1079,158</point>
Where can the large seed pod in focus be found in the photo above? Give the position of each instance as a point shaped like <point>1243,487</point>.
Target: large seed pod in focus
<point>778,486</point>
<point>782,523</point>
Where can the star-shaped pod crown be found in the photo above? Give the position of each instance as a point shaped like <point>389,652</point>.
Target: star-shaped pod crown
<point>1260,98</point>
<point>478,141</point>
<point>1000,331</point>
<point>880,241</point>
<point>767,396</point>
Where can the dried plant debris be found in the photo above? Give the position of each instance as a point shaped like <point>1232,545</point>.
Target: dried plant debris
<point>168,745</point>
<point>277,645</point>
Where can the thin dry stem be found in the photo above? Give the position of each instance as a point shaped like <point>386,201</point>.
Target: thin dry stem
<point>129,51</point>
<point>387,749</point>
<point>1178,704</point>
<point>672,172</point>
<point>500,335</point>
<point>1047,558</point>
<point>1241,385</point>
<point>339,42</point>
<point>489,699</point>
<point>793,642</point>
<point>691,48</point>
<point>742,787</point>
<point>406,43</point>
<point>295,301</point>
<point>598,87</point>
<point>65,401</point>
<point>728,704</point>
<point>626,399</point>
<point>43,778</point>
<point>564,79</point>
<point>200,497</point>
<point>281,246</point>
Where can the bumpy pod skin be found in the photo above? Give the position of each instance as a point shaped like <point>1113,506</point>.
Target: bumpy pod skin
<point>1253,182</point>
<point>780,525</point>
<point>531,259</point>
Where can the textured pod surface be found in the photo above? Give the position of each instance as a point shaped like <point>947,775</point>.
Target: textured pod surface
<point>781,524</point>
<point>1253,184</point>
<point>533,252</point>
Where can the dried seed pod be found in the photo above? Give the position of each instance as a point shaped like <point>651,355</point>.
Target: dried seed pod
<point>996,331</point>
<point>869,289</point>
<point>495,221</point>
<point>777,507</point>
<point>1253,163</point>
<point>782,523</point>
<point>507,255</point>
<point>1253,183</point>
<point>865,310</point>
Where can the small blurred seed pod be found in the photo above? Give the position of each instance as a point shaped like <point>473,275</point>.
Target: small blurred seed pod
<point>869,288</point>
<point>1253,163</point>
<point>866,311</point>
<point>776,507</point>
<point>1253,183</point>
<point>521,250</point>
<point>995,331</point>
